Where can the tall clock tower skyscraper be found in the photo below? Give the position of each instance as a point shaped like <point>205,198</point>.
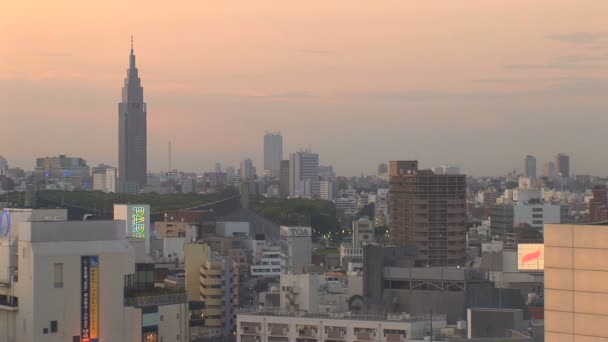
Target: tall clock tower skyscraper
<point>132,132</point>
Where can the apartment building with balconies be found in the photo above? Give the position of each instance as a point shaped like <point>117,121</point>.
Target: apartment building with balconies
<point>214,280</point>
<point>277,326</point>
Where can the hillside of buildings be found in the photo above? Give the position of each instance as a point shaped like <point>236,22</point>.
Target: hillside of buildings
<point>319,214</point>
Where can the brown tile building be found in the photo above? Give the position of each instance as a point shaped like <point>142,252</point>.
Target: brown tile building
<point>598,205</point>
<point>428,211</point>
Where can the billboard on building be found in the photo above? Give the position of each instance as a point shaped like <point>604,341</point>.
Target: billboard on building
<point>137,218</point>
<point>530,257</point>
<point>296,231</point>
<point>89,304</point>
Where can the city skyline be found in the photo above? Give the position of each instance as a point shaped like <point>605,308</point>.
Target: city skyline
<point>531,90</point>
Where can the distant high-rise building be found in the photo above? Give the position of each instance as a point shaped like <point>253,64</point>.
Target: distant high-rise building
<point>284,179</point>
<point>549,170</point>
<point>327,172</point>
<point>104,178</point>
<point>247,171</point>
<point>132,132</point>
<point>382,169</point>
<point>598,205</point>
<point>326,190</point>
<point>3,166</point>
<point>62,167</point>
<point>273,154</point>
<point>445,169</point>
<point>562,163</point>
<point>73,173</point>
<point>530,167</point>
<point>429,211</point>
<point>218,167</point>
<point>304,174</point>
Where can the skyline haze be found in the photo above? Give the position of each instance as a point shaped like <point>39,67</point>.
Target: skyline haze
<point>492,83</point>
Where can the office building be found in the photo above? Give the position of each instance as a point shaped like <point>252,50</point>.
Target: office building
<point>295,327</point>
<point>382,169</point>
<point>61,166</point>
<point>68,279</point>
<point>523,209</point>
<point>268,265</point>
<point>505,217</point>
<point>549,170</point>
<point>214,279</point>
<point>78,281</point>
<point>562,164</point>
<point>326,188</point>
<point>598,205</point>
<point>362,234</point>
<point>132,132</point>
<point>326,172</point>
<point>247,171</point>
<point>319,292</point>
<point>296,248</point>
<point>304,174</point>
<point>429,211</point>
<point>576,295</point>
<point>284,179</point>
<point>530,167</point>
<point>3,166</point>
<point>273,153</point>
<point>189,185</point>
<point>104,178</point>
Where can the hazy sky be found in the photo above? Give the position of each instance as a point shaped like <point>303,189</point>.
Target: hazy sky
<point>472,82</point>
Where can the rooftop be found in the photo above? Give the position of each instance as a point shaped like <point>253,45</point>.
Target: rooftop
<point>355,316</point>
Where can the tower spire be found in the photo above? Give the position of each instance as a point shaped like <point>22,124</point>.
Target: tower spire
<point>132,56</point>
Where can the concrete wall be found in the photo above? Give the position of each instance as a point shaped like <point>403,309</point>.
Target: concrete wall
<point>195,255</point>
<point>484,323</point>
<point>173,322</point>
<point>40,302</point>
<point>8,325</point>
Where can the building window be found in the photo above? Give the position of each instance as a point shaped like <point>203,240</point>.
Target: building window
<point>161,317</point>
<point>58,275</point>
<point>53,326</point>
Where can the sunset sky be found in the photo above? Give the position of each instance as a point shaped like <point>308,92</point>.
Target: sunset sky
<point>475,83</point>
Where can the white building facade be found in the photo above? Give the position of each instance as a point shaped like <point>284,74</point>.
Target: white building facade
<point>290,327</point>
<point>296,248</point>
<point>304,174</point>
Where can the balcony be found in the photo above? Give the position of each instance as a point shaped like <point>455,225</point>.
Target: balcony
<point>213,302</point>
<point>307,333</point>
<point>211,281</point>
<point>395,338</point>
<point>279,331</point>
<point>250,339</point>
<point>334,335</point>
<point>211,292</point>
<point>196,322</point>
<point>250,330</point>
<point>164,299</point>
<point>363,334</point>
